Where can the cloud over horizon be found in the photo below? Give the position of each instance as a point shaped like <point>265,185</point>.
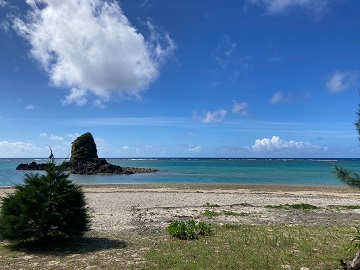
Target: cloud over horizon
<point>91,48</point>
<point>276,144</point>
<point>14,149</point>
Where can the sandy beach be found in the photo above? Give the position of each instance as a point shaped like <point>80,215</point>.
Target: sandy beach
<point>117,208</point>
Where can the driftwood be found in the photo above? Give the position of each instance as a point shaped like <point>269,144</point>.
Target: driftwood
<point>353,264</point>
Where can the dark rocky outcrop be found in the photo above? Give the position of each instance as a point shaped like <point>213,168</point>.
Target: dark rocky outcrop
<point>33,166</point>
<point>84,160</point>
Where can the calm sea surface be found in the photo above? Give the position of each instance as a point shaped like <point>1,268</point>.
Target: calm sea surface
<point>310,172</point>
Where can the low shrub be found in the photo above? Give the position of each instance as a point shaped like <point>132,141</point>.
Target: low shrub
<point>45,206</point>
<point>188,230</point>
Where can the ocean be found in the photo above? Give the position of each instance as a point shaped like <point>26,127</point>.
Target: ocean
<point>301,172</point>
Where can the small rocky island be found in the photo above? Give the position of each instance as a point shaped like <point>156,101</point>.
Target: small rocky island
<point>84,160</point>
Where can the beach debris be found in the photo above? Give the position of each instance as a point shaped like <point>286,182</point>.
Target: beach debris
<point>353,264</point>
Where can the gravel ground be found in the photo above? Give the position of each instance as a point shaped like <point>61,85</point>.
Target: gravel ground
<point>151,207</point>
<point>119,208</point>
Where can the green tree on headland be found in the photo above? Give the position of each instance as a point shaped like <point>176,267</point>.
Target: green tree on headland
<point>45,206</point>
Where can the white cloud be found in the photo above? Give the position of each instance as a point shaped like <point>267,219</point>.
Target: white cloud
<point>52,137</point>
<point>55,138</point>
<point>275,7</point>
<point>101,144</point>
<point>73,136</point>
<point>77,96</point>
<point>279,98</point>
<point>212,117</point>
<point>2,3</point>
<point>16,149</point>
<point>193,148</point>
<point>340,81</point>
<point>31,107</point>
<point>125,148</point>
<point>276,144</point>
<point>239,108</point>
<point>90,47</point>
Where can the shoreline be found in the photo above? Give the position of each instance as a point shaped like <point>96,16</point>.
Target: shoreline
<point>190,187</point>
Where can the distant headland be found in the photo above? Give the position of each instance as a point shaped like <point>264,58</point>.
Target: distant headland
<point>84,160</point>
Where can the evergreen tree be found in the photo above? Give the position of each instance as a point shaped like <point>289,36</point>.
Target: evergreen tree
<point>347,176</point>
<point>45,206</point>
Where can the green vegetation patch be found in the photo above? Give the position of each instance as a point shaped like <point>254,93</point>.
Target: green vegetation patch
<point>188,230</point>
<point>257,247</point>
<point>235,214</point>
<point>302,206</point>
<point>210,213</point>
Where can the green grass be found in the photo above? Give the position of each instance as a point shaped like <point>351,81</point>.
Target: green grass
<point>229,247</point>
<point>256,247</point>
<point>235,214</point>
<point>302,206</point>
<point>210,213</point>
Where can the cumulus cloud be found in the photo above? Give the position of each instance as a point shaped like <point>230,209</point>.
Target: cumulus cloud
<point>239,108</point>
<point>276,144</point>
<point>91,48</point>
<point>279,98</point>
<point>340,81</point>
<point>16,149</point>
<point>2,3</point>
<point>275,7</point>
<point>212,117</point>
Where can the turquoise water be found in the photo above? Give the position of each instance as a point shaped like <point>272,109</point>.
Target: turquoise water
<point>309,172</point>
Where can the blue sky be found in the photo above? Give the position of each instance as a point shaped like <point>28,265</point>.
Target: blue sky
<point>181,78</point>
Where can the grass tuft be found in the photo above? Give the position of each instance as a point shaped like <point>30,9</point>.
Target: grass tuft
<point>303,206</point>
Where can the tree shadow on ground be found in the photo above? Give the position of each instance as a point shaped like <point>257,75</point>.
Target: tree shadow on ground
<point>64,247</point>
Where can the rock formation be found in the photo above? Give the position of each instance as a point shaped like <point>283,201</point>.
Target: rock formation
<point>84,160</point>
<point>83,149</point>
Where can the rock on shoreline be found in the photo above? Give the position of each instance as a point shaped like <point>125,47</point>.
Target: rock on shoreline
<point>97,166</point>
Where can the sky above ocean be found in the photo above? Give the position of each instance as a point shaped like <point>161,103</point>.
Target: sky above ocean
<point>180,78</point>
